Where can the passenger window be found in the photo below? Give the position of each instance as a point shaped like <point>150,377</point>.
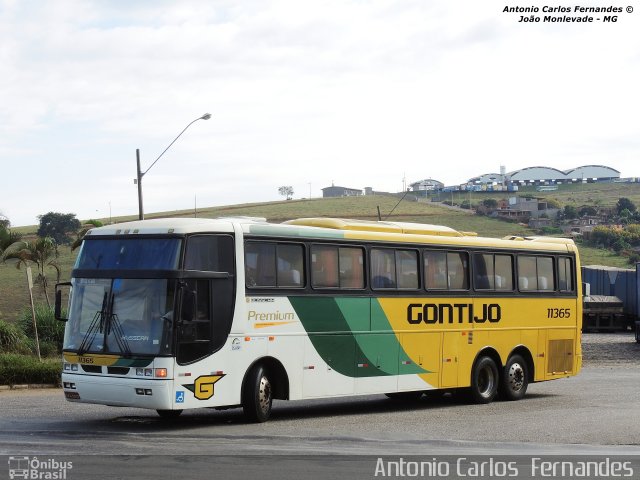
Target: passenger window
<point>337,267</point>
<point>457,271</point>
<point>210,253</point>
<point>383,268</point>
<point>274,265</point>
<point>483,272</point>
<point>407,268</point>
<point>351,267</point>
<point>446,270</point>
<point>290,266</point>
<point>394,269</point>
<point>535,273</point>
<point>565,275</point>
<point>324,266</point>
<point>260,264</point>
<point>504,272</point>
<point>435,270</point>
<point>493,272</point>
<point>545,274</point>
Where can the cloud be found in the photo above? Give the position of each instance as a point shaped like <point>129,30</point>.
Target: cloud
<point>357,92</point>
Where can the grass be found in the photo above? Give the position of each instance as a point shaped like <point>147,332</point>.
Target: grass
<point>25,369</point>
<point>14,297</point>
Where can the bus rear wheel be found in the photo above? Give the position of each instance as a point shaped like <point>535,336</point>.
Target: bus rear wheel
<point>484,380</point>
<point>515,379</point>
<point>257,395</point>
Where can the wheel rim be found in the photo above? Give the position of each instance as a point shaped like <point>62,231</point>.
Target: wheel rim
<point>486,381</point>
<point>516,377</point>
<point>264,394</point>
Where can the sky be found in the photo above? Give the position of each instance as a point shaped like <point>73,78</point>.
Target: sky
<point>303,93</point>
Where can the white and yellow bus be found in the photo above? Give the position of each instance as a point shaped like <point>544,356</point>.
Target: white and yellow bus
<point>176,314</point>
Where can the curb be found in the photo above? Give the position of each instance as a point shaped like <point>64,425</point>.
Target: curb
<point>31,386</point>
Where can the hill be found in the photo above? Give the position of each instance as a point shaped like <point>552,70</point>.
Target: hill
<point>14,296</point>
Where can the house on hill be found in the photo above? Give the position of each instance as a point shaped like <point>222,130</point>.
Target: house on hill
<point>333,191</point>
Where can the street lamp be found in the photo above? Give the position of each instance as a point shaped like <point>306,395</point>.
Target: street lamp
<point>141,174</point>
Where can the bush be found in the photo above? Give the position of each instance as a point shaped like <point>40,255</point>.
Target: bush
<point>50,330</point>
<point>634,258</point>
<point>20,369</point>
<point>12,339</point>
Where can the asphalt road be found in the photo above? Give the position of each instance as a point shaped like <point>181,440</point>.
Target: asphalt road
<point>597,412</point>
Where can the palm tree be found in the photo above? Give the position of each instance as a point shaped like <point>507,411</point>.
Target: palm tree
<point>88,225</point>
<point>7,237</point>
<point>43,252</point>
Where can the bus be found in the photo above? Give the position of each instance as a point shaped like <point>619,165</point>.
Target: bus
<point>176,314</point>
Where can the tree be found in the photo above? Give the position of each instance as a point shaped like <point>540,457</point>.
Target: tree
<point>81,234</point>
<point>7,237</point>
<point>43,252</point>
<point>587,211</point>
<point>570,212</point>
<point>625,204</point>
<point>4,221</point>
<point>553,203</point>
<point>286,191</point>
<point>490,203</point>
<point>58,226</point>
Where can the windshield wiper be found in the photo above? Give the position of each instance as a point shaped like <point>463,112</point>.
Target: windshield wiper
<point>113,324</point>
<point>97,325</point>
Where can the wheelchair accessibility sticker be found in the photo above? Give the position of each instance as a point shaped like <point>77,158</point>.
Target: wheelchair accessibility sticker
<point>179,397</point>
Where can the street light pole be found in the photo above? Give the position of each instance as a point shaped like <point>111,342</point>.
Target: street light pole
<point>141,174</point>
<point>139,182</point>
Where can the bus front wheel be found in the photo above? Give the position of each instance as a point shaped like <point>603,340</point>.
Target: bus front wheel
<point>257,395</point>
<point>484,380</point>
<point>515,379</point>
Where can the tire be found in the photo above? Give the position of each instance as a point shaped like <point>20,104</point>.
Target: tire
<point>484,380</point>
<point>515,378</point>
<point>404,396</point>
<point>169,414</point>
<point>257,395</point>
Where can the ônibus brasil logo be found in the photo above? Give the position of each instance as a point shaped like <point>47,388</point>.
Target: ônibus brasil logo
<point>36,469</point>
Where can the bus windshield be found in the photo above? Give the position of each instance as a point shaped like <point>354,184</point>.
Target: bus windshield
<point>129,254</point>
<point>121,316</point>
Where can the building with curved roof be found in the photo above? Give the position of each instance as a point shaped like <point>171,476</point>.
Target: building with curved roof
<point>537,175</point>
<point>593,173</point>
<point>428,184</point>
<point>541,175</point>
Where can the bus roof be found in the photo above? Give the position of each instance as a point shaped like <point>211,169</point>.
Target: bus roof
<point>340,228</point>
<point>389,227</point>
<point>335,228</point>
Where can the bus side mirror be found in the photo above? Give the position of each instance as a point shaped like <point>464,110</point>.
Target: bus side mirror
<point>57,311</point>
<point>188,308</point>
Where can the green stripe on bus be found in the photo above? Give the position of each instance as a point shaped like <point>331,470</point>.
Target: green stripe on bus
<point>339,329</point>
<point>332,338</point>
<point>380,323</point>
